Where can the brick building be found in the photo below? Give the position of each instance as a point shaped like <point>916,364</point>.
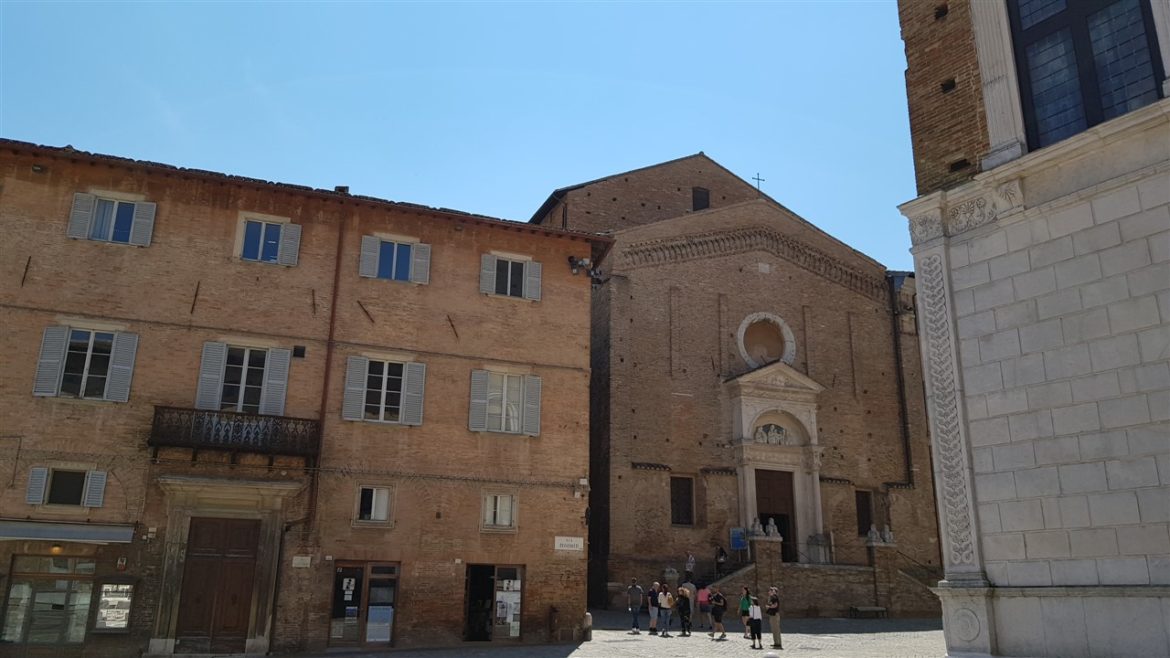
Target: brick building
<point>243,417</point>
<point>748,367</point>
<point>1041,135</point>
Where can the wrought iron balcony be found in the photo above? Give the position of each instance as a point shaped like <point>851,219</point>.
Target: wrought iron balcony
<point>176,427</point>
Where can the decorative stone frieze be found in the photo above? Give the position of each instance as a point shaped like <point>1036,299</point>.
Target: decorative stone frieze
<point>966,212</point>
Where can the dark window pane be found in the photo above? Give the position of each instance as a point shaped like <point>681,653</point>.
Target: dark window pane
<point>366,506</point>
<point>256,358</point>
<point>682,501</point>
<point>1125,75</point>
<point>391,414</point>
<point>864,500</point>
<point>103,343</point>
<point>252,396</point>
<point>79,341</point>
<point>374,398</point>
<point>1056,90</point>
<point>74,363</point>
<point>95,386</point>
<point>392,398</point>
<point>231,374</point>
<point>502,276</point>
<point>122,222</point>
<point>394,369</point>
<point>402,263</point>
<point>65,487</point>
<point>271,243</point>
<point>386,261</point>
<point>1034,11</point>
<point>374,382</point>
<point>516,285</point>
<point>700,198</point>
<point>231,395</point>
<point>373,412</point>
<point>255,377</point>
<point>71,384</point>
<point>99,365</point>
<point>376,369</point>
<point>235,356</point>
<point>252,240</point>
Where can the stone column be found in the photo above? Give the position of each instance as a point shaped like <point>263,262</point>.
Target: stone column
<point>967,613</point>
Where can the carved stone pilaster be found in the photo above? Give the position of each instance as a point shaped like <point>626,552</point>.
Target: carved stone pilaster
<point>952,465</point>
<point>926,227</point>
<point>1001,91</point>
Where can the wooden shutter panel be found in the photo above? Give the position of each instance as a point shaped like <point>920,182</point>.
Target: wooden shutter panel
<point>531,405</point>
<point>487,274</point>
<point>353,403</point>
<point>81,215</point>
<point>477,418</point>
<point>290,244</point>
<point>368,260</point>
<point>532,280</point>
<point>38,479</point>
<point>275,382</point>
<point>420,263</point>
<point>121,367</point>
<point>53,345</point>
<point>95,489</point>
<point>143,226</point>
<point>413,387</point>
<point>211,376</point>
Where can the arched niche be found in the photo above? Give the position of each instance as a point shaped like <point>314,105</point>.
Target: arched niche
<point>779,428</point>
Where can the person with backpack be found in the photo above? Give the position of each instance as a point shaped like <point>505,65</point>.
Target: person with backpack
<point>773,611</point>
<point>634,596</point>
<point>718,607</point>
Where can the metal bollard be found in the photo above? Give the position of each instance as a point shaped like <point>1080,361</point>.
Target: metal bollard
<point>588,629</point>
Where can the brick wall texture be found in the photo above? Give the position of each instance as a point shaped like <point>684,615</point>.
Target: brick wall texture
<point>189,287</point>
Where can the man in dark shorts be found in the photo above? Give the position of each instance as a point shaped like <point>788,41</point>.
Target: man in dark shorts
<point>718,606</point>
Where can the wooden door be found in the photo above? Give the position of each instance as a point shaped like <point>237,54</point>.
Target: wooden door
<point>775,500</point>
<point>216,600</point>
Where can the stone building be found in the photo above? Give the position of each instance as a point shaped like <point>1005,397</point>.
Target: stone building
<point>242,417</point>
<point>747,367</point>
<point>1041,134</point>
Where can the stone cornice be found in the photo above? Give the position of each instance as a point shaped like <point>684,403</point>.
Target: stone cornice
<point>738,241</point>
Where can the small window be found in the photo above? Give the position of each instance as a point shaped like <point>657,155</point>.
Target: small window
<point>505,402</point>
<point>374,504</point>
<point>383,391</point>
<point>261,241</point>
<point>87,364</point>
<point>243,380</point>
<point>499,511</point>
<point>700,198</point>
<point>394,261</point>
<point>509,277</point>
<point>864,511</point>
<point>66,487</point>
<point>682,501</point>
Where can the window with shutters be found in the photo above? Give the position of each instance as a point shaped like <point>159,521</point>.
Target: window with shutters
<point>499,511</point>
<point>66,487</point>
<point>505,402</point>
<point>383,391</point>
<point>373,504</point>
<point>393,261</point>
<point>1081,63</point>
<point>502,402</point>
<point>682,501</point>
<point>510,275</point>
<point>104,219</point>
<point>261,241</point>
<point>243,380</point>
<point>85,363</point>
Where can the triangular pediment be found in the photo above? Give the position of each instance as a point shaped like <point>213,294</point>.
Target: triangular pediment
<point>778,376</point>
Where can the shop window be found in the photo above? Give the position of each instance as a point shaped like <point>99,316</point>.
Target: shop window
<point>48,600</point>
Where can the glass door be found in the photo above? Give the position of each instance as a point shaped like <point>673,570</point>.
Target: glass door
<point>364,596</point>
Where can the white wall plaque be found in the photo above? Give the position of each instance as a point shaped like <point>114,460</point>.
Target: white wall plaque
<point>302,561</point>
<point>569,543</point>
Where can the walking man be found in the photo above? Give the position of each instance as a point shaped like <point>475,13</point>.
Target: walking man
<point>773,610</point>
<point>718,606</point>
<point>634,604</point>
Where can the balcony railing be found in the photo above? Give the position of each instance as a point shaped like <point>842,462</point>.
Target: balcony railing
<point>175,427</point>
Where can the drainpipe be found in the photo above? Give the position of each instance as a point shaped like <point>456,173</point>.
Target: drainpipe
<point>893,281</point>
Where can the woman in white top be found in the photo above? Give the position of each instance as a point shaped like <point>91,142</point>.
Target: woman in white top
<point>756,619</point>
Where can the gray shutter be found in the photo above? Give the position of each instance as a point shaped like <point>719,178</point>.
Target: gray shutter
<point>290,244</point>
<point>353,404</point>
<point>143,226</point>
<point>210,388</point>
<point>121,367</point>
<point>487,274</point>
<point>80,215</point>
<point>413,387</point>
<point>275,382</point>
<point>95,489</point>
<point>38,479</point>
<point>477,419</point>
<point>532,280</point>
<point>420,263</point>
<point>531,420</point>
<point>368,260</point>
<point>53,345</point>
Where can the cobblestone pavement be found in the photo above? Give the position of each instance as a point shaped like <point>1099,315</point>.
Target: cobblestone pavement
<point>824,638</point>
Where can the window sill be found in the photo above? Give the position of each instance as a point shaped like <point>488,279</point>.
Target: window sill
<point>498,529</point>
<point>379,525</point>
<point>515,299</point>
<point>76,400</point>
<point>395,423</point>
<point>62,512</point>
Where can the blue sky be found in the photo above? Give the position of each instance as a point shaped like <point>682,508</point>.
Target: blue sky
<point>482,107</point>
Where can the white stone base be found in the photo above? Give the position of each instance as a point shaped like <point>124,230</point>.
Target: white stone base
<point>1064,622</point>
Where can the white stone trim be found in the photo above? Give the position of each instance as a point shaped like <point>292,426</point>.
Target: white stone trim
<point>1001,88</point>
<point>1160,10</point>
<point>789,338</point>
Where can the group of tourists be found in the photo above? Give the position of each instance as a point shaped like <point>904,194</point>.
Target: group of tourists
<point>663,603</point>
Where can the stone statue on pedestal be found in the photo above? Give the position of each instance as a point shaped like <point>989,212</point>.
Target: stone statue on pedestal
<point>772,530</point>
<point>756,529</point>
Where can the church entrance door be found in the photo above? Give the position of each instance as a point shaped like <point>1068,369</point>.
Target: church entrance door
<point>775,500</point>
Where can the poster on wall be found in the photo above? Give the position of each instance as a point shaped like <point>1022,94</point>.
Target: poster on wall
<point>508,612</point>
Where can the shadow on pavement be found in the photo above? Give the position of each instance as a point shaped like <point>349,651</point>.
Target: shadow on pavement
<point>616,621</point>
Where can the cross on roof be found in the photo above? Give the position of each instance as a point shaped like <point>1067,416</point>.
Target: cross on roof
<point>758,180</point>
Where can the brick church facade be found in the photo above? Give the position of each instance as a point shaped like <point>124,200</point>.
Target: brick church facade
<point>747,367</point>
